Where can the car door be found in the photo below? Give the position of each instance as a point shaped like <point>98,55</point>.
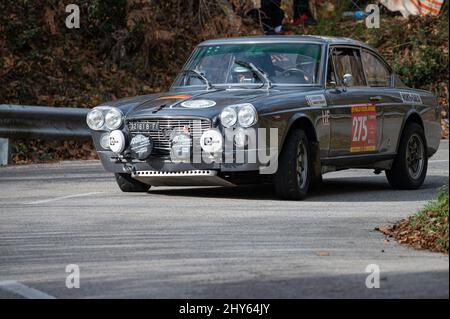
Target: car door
<point>354,119</point>
<point>386,98</point>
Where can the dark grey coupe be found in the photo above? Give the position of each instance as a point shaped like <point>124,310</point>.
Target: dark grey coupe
<point>280,110</point>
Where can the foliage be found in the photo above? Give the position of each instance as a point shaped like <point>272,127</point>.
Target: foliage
<point>36,151</point>
<point>428,229</point>
<point>416,48</point>
<point>133,47</point>
<point>432,221</point>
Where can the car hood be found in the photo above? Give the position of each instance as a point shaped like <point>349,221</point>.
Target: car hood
<point>172,103</point>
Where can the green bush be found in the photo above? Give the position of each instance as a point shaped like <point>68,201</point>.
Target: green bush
<point>432,221</point>
<point>425,68</point>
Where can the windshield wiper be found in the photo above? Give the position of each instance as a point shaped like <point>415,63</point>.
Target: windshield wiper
<point>199,75</point>
<point>258,71</point>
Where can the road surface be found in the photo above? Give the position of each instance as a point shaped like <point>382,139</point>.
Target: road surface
<point>209,242</point>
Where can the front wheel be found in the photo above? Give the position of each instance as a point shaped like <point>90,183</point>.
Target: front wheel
<point>410,165</point>
<point>128,184</point>
<point>293,177</point>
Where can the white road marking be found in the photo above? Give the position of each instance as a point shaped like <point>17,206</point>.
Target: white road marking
<point>24,291</point>
<point>438,161</point>
<point>43,201</point>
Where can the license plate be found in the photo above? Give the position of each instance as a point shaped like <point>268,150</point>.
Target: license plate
<point>143,126</point>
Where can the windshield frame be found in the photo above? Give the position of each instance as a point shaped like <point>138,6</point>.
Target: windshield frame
<point>320,71</point>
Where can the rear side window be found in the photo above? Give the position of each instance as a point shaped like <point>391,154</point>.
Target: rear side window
<point>376,71</point>
<point>348,61</point>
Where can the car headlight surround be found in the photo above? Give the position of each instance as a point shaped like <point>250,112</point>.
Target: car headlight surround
<point>228,117</point>
<point>243,114</point>
<point>247,115</point>
<point>95,119</point>
<point>113,119</point>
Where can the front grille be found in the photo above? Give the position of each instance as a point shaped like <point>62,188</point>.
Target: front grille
<point>160,130</point>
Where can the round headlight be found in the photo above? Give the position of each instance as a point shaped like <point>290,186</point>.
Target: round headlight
<point>228,117</point>
<point>240,137</point>
<point>104,141</point>
<point>113,119</point>
<point>95,119</point>
<point>117,141</point>
<point>247,115</point>
<point>181,148</point>
<point>211,141</point>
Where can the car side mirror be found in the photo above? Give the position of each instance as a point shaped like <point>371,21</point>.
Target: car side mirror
<point>347,80</point>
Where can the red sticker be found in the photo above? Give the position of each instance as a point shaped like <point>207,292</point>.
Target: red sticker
<point>175,97</point>
<point>364,128</point>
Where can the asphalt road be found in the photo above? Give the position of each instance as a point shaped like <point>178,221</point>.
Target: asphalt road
<point>209,242</point>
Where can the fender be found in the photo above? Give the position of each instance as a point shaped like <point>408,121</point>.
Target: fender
<point>411,112</point>
<point>292,120</point>
<point>315,148</point>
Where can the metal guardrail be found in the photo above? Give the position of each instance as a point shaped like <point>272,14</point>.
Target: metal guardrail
<point>39,122</point>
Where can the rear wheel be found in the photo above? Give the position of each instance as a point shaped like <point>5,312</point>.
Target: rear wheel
<point>128,184</point>
<point>410,165</point>
<point>293,177</point>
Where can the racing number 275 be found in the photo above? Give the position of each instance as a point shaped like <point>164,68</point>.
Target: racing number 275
<point>359,126</point>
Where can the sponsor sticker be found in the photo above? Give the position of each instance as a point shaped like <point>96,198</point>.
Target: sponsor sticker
<point>211,141</point>
<point>141,146</point>
<point>326,117</point>
<point>364,128</point>
<point>116,141</point>
<point>316,100</point>
<point>411,98</point>
<point>198,104</point>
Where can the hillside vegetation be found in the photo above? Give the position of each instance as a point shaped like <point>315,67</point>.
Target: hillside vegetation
<point>428,229</point>
<point>131,47</point>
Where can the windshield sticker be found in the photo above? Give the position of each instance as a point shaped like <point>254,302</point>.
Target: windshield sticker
<point>411,98</point>
<point>175,97</point>
<point>316,100</point>
<point>364,128</point>
<point>198,104</point>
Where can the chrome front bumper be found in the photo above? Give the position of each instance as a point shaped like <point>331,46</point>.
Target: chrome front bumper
<point>181,178</point>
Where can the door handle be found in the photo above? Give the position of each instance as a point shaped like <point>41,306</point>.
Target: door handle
<point>375,98</point>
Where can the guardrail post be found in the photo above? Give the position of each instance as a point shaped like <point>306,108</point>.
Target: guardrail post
<point>5,151</point>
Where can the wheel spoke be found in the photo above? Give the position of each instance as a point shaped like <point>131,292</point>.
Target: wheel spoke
<point>415,156</point>
<point>301,163</point>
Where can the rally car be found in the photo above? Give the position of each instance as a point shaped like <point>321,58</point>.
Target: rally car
<point>273,109</point>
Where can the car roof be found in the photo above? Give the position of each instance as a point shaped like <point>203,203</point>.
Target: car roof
<point>287,38</point>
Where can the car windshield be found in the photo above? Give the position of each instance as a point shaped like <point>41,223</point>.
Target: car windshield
<point>282,63</point>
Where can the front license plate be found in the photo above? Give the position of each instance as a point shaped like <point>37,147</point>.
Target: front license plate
<point>144,126</point>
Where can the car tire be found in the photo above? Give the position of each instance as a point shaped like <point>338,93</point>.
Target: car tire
<point>409,168</point>
<point>128,184</point>
<point>316,183</point>
<point>294,173</point>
